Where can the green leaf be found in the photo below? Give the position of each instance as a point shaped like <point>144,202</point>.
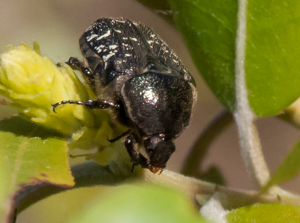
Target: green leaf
<point>287,169</point>
<point>3,189</point>
<point>86,174</point>
<point>161,8</point>
<point>29,157</point>
<point>162,5</point>
<point>139,203</point>
<point>272,55</point>
<point>209,29</point>
<point>213,175</point>
<point>272,52</point>
<point>275,213</point>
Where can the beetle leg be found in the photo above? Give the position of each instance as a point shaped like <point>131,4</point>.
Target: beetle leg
<point>101,104</point>
<point>75,64</point>
<point>120,136</point>
<point>136,158</point>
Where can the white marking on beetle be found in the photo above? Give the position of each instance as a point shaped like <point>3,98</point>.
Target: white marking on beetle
<point>108,56</point>
<point>132,38</point>
<point>104,35</point>
<point>117,31</point>
<point>112,47</point>
<point>150,96</point>
<point>91,37</point>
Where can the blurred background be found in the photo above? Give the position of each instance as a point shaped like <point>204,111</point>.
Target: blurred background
<point>57,26</point>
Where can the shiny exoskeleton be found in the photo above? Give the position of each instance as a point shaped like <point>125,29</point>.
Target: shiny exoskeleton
<point>134,72</point>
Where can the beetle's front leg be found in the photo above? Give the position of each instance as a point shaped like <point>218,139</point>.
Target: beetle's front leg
<point>97,104</point>
<point>120,136</point>
<point>75,64</point>
<point>136,158</point>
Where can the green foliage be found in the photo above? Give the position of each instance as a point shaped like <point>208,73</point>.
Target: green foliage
<point>31,155</point>
<point>4,190</point>
<point>275,213</point>
<point>28,158</point>
<point>161,8</point>
<point>272,55</point>
<point>272,49</point>
<point>209,29</point>
<point>139,203</point>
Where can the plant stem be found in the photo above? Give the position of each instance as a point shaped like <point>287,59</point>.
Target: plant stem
<point>230,198</point>
<point>249,140</point>
<point>199,150</point>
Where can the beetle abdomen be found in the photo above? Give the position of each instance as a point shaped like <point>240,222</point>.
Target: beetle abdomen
<point>158,103</point>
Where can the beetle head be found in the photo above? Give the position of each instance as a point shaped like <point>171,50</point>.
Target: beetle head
<point>159,150</point>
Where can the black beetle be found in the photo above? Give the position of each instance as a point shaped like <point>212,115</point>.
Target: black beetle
<point>135,73</point>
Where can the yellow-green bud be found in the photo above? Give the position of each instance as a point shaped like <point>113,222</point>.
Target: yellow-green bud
<point>33,83</point>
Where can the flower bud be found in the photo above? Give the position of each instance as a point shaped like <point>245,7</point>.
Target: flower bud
<point>33,83</point>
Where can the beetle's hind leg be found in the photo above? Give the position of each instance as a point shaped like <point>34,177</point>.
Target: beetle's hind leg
<point>75,64</point>
<point>97,104</point>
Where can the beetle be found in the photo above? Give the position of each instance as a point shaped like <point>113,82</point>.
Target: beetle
<point>136,74</point>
